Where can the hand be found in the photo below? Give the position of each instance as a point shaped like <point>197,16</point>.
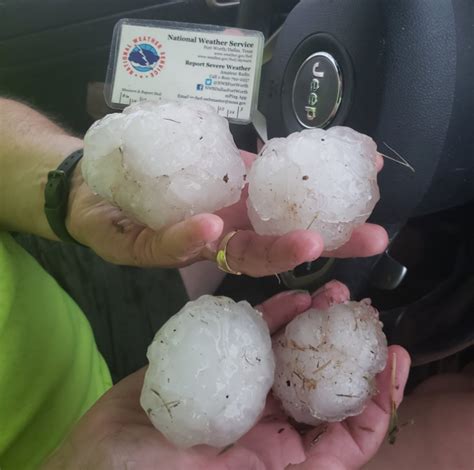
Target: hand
<point>117,434</point>
<point>116,238</point>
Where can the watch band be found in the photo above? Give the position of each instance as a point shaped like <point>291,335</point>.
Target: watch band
<point>56,195</point>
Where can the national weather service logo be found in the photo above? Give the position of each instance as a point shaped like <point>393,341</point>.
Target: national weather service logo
<point>144,57</point>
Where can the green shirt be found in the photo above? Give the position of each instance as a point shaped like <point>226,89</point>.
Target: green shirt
<point>50,369</point>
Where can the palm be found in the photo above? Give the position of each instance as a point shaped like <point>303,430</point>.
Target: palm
<point>118,434</point>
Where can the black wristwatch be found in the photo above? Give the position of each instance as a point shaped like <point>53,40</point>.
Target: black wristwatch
<point>56,195</point>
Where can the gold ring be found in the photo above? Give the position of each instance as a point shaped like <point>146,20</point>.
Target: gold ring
<point>221,257</point>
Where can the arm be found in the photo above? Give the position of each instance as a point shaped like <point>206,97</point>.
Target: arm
<point>116,432</point>
<point>30,147</point>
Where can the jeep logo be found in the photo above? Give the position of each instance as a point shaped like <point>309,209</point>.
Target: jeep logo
<point>317,90</point>
<point>311,109</point>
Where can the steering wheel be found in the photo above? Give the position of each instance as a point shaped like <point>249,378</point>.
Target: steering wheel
<point>397,70</point>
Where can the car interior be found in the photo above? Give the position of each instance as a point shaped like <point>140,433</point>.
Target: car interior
<point>407,68</point>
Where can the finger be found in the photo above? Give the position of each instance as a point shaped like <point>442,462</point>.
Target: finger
<point>362,435</point>
<point>282,308</point>
<point>248,158</point>
<point>334,292</point>
<point>366,240</point>
<point>179,243</point>
<point>387,392</point>
<point>261,255</point>
<point>379,162</point>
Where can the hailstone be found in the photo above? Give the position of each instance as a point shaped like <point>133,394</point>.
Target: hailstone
<point>326,362</point>
<point>211,368</point>
<point>325,181</point>
<point>164,162</point>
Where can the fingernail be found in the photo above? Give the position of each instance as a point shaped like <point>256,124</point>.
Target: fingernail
<point>299,291</point>
<point>291,293</point>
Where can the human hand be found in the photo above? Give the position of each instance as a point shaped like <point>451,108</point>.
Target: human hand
<point>118,239</point>
<point>117,434</point>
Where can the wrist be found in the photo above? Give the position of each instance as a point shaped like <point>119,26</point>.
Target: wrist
<point>31,146</point>
<point>57,195</point>
<point>24,177</point>
<point>72,217</point>
<point>56,176</point>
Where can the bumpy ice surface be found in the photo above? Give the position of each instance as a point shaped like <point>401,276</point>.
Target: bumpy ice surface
<point>164,162</point>
<point>326,362</point>
<point>211,368</point>
<point>322,180</point>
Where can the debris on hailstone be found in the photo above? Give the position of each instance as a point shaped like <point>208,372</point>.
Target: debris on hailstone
<point>326,362</point>
<point>211,368</point>
<point>164,162</point>
<point>321,180</point>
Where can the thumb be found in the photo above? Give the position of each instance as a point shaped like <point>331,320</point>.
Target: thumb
<point>178,244</point>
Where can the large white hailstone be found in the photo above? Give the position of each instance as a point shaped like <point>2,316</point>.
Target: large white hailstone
<point>211,368</point>
<point>321,180</point>
<point>326,362</point>
<point>164,162</point>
